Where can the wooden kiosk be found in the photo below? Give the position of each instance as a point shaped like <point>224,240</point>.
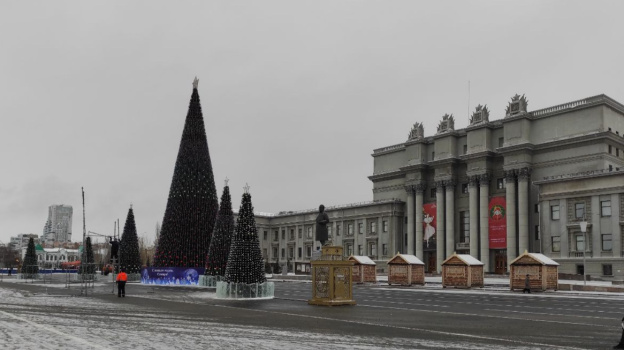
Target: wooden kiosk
<point>405,269</point>
<point>332,278</point>
<point>462,271</point>
<point>364,269</point>
<point>543,272</point>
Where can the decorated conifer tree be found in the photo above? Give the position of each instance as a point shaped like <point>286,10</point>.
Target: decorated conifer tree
<point>217,258</point>
<point>130,257</point>
<point>193,203</point>
<point>30,267</point>
<point>87,264</point>
<point>245,263</point>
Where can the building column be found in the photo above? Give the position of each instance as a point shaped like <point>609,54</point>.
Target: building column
<point>439,225</point>
<point>484,223</point>
<point>410,219</point>
<point>510,196</point>
<point>420,188</point>
<point>523,210</point>
<point>450,217</point>
<point>474,216</point>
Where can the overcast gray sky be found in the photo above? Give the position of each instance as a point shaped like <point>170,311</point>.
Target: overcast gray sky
<point>295,94</point>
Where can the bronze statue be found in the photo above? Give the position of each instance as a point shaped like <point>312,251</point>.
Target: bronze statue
<point>321,225</point>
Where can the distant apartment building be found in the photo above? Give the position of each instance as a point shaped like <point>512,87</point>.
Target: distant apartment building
<point>58,227</point>
<point>21,241</point>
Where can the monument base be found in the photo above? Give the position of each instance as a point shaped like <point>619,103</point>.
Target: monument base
<point>332,283</point>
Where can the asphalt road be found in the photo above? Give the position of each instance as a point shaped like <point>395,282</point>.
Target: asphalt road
<point>384,317</point>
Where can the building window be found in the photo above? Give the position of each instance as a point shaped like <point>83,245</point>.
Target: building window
<point>384,250</point>
<point>292,234</point>
<point>266,234</point>
<point>291,252</point>
<point>536,208</point>
<point>372,249</point>
<point>464,188</point>
<point>360,228</point>
<point>607,269</point>
<point>605,208</point>
<point>359,249</point>
<point>617,152</point>
<point>373,227</point>
<point>607,243</point>
<point>465,149</point>
<point>554,212</point>
<point>329,231</point>
<point>609,149</point>
<point>501,140</point>
<point>309,234</point>
<point>432,155</point>
<point>349,248</point>
<point>580,243</point>
<point>579,209</point>
<point>300,233</point>
<point>283,253</point>
<point>464,226</point>
<point>350,230</point>
<point>537,232</point>
<point>275,252</point>
<point>384,225</point>
<point>337,229</point>
<point>275,235</point>
<point>283,234</point>
<point>299,252</point>
<point>433,193</point>
<point>555,243</point>
<point>500,183</point>
<point>308,251</point>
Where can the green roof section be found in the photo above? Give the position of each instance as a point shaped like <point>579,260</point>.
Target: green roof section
<point>38,247</point>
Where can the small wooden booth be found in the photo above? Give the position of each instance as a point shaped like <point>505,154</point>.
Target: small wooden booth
<point>406,270</point>
<point>463,271</point>
<point>543,272</point>
<point>364,269</point>
<point>331,278</point>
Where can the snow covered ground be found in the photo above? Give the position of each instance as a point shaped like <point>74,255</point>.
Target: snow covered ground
<point>38,320</point>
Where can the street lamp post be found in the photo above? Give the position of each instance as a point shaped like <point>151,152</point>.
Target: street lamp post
<point>583,225</point>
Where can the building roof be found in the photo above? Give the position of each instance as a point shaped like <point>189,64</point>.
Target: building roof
<point>467,259</point>
<point>362,259</point>
<point>408,258</point>
<point>540,258</point>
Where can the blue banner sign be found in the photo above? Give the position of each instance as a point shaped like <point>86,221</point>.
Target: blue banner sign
<point>171,275</point>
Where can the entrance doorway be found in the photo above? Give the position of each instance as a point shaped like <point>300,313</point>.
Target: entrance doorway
<point>500,262</point>
<point>431,263</point>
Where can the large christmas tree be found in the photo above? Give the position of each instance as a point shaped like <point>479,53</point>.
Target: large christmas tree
<point>129,256</point>
<point>245,263</point>
<point>222,237</point>
<point>87,264</point>
<point>30,267</point>
<point>193,203</point>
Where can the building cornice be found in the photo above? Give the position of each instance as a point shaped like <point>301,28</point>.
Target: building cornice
<point>388,175</point>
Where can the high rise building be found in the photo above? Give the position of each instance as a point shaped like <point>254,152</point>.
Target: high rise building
<point>58,227</point>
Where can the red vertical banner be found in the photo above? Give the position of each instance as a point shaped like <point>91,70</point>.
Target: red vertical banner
<point>429,223</point>
<point>498,223</point>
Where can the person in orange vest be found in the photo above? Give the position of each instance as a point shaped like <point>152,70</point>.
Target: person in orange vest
<point>122,278</point>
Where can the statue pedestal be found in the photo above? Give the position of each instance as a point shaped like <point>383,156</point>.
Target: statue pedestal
<point>331,279</point>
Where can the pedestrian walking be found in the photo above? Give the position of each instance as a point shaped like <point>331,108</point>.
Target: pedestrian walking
<point>527,284</point>
<point>122,278</point>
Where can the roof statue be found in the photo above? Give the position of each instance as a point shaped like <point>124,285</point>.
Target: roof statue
<point>480,115</point>
<point>446,124</point>
<point>195,83</point>
<point>518,105</point>
<point>417,133</point>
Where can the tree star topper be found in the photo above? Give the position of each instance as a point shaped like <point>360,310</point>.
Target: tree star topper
<point>246,187</point>
<point>226,181</point>
<point>195,83</point>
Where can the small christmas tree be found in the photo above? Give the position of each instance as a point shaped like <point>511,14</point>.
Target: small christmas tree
<point>217,258</point>
<point>130,258</point>
<point>30,267</point>
<point>193,202</point>
<point>245,263</point>
<point>87,265</point>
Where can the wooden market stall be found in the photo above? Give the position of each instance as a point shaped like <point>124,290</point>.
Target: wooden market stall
<point>543,272</point>
<point>406,270</point>
<point>463,271</point>
<point>364,269</point>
